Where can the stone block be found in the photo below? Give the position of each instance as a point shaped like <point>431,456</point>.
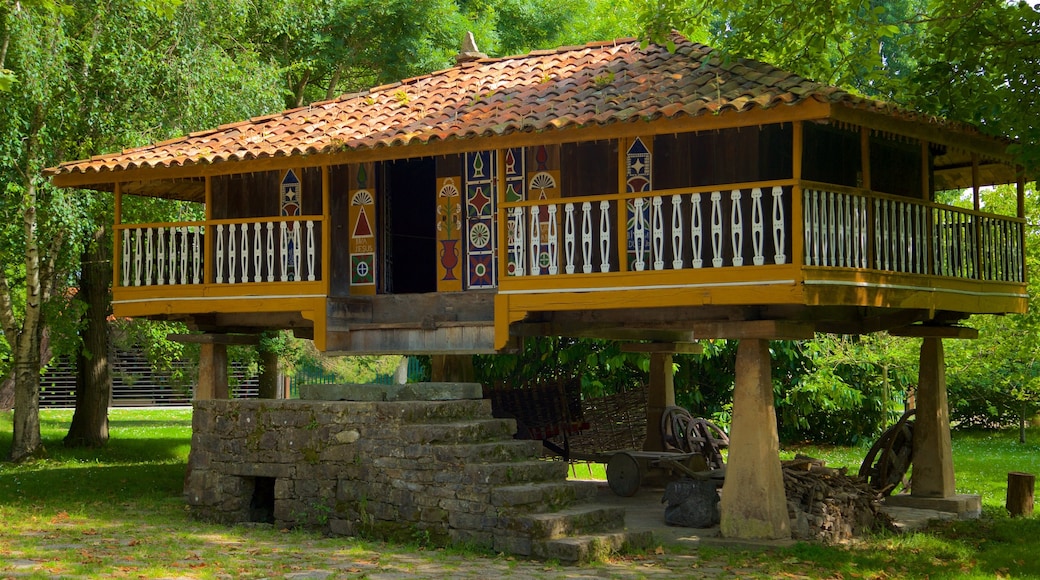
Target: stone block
<point>408,392</point>
<point>965,506</point>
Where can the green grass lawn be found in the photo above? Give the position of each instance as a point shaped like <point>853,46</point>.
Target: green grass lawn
<point>118,512</point>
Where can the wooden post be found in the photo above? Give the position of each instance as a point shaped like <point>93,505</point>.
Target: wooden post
<point>213,376</point>
<point>754,504</point>
<point>933,453</point>
<point>452,368</point>
<point>1020,493</point>
<point>660,396</point>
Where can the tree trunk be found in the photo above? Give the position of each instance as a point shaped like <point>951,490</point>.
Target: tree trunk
<point>1020,494</point>
<point>1022,423</point>
<point>26,442</point>
<point>93,375</point>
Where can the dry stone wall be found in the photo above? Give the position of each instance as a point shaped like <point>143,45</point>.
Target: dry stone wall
<point>438,471</point>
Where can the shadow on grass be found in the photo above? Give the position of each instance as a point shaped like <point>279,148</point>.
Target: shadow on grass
<point>67,486</point>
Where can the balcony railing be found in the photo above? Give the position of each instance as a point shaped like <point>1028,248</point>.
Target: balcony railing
<point>673,230</point>
<point>220,252</point>
<point>749,225</point>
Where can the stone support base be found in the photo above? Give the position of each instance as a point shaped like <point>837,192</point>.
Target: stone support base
<point>966,506</point>
<point>754,505</point>
<point>933,475</point>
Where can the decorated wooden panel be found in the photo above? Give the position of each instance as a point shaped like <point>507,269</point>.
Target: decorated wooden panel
<point>362,223</point>
<point>481,219</point>
<point>543,183</point>
<point>449,234</point>
<point>516,190</point>
<point>291,206</point>
<point>638,179</point>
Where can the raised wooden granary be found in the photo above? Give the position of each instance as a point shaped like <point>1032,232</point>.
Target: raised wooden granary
<point>608,190</point>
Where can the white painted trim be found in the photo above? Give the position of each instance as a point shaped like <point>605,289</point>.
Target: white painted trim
<point>207,298</point>
<point>654,287</point>
<point>908,287</point>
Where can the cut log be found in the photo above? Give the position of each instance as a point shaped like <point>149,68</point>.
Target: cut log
<point>1020,493</point>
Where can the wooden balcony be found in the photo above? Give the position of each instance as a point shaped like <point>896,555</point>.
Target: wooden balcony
<point>769,244</point>
<point>270,269</point>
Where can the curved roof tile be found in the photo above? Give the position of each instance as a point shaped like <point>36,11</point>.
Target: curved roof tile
<point>601,83</point>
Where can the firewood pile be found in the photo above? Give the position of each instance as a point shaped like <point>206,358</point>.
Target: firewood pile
<point>827,505</point>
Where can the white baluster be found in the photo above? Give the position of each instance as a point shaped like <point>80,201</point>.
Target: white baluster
<point>160,255</point>
<point>196,256</point>
<point>535,241</point>
<point>149,257</point>
<point>126,258</point>
<point>311,250</point>
<point>604,236</point>
<point>816,226</point>
<point>696,231</point>
<point>677,233</point>
<point>297,251</point>
<point>283,250</point>
<point>137,256</point>
<point>779,226</point>
<point>638,234</point>
<point>172,256</point>
<point>808,225</point>
<point>270,253</point>
<point>569,237</point>
<point>258,254</point>
<point>902,210</point>
<point>243,251</point>
<point>832,230</point>
<point>184,254</point>
<point>518,241</point>
<point>757,226</point>
<point>232,256</point>
<point>553,246</point>
<point>841,227</point>
<point>586,237</point>
<point>657,232</point>
<point>716,229</point>
<point>878,258</point>
<point>737,227</point>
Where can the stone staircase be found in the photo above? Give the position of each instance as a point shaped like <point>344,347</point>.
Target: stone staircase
<point>537,512</point>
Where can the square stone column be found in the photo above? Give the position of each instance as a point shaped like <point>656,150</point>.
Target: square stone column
<point>933,454</point>
<point>213,372</point>
<point>754,504</point>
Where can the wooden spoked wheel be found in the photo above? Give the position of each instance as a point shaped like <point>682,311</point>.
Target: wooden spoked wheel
<point>887,464</point>
<point>685,433</point>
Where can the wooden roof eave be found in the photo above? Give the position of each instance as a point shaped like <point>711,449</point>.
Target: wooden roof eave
<point>984,145</point>
<point>103,181</point>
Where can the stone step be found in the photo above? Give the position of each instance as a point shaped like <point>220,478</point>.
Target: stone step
<point>571,521</point>
<point>459,432</point>
<point>592,547</point>
<point>517,472</point>
<point>507,450</point>
<point>541,497</point>
<point>439,411</point>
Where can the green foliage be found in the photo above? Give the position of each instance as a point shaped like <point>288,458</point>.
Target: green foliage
<point>601,365</point>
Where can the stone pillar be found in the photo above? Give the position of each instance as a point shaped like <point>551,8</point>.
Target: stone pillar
<point>754,505</point>
<point>213,374</point>
<point>269,385</point>
<point>452,368</point>
<point>660,396</point>
<point>933,455</point>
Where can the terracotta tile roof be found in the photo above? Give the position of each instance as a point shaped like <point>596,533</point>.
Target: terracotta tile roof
<point>596,84</point>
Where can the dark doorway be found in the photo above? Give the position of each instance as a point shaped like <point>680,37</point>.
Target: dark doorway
<point>410,235</point>
<point>261,504</point>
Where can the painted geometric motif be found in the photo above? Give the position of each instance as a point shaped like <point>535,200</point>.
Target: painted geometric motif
<point>449,235</point>
<point>363,231</point>
<point>638,178</point>
<point>544,183</point>
<point>481,219</point>
<point>516,182</point>
<point>290,207</point>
